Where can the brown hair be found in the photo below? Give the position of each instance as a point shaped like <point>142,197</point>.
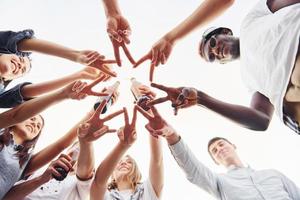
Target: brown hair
<point>23,153</point>
<point>134,176</point>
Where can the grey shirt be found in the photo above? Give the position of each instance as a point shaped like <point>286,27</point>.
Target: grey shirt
<point>238,183</point>
<point>10,170</point>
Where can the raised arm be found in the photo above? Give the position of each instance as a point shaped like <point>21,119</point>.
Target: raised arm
<point>256,117</point>
<point>37,89</point>
<point>37,105</point>
<point>127,136</point>
<point>156,169</point>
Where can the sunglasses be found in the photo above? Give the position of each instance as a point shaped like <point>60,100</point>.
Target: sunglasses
<point>212,42</point>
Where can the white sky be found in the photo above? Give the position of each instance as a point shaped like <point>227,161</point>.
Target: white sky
<point>82,24</point>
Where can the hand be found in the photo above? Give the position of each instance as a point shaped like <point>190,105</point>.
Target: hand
<point>147,95</point>
<point>88,88</point>
<point>156,122</point>
<point>159,53</point>
<point>91,73</point>
<point>127,134</point>
<point>74,90</point>
<point>64,161</point>
<point>145,90</point>
<point>181,97</point>
<point>94,128</point>
<point>118,30</point>
<point>104,66</point>
<point>87,57</point>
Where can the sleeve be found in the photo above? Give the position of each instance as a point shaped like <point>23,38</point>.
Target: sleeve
<point>12,97</point>
<point>195,171</point>
<point>149,192</point>
<point>83,187</point>
<point>9,41</point>
<point>291,187</point>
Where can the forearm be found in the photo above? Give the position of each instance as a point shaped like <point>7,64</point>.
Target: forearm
<point>195,171</point>
<point>86,161</point>
<point>46,47</point>
<point>20,191</point>
<point>108,165</point>
<point>29,109</point>
<point>245,116</point>
<point>156,170</point>
<point>34,90</point>
<point>111,7</point>
<point>206,12</point>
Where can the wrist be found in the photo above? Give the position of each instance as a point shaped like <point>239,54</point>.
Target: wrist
<point>170,37</point>
<point>124,145</point>
<point>173,138</point>
<point>201,98</point>
<point>43,179</point>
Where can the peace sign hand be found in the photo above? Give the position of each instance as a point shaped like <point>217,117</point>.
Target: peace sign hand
<point>88,89</point>
<point>127,134</point>
<point>94,128</point>
<point>181,97</point>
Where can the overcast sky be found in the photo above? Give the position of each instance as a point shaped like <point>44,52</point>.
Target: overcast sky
<point>82,25</point>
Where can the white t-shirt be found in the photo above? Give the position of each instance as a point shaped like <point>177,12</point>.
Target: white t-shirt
<point>71,188</point>
<point>268,45</point>
<point>148,194</point>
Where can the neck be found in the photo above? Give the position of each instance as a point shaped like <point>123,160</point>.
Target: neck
<point>123,185</point>
<point>234,162</point>
<point>17,138</point>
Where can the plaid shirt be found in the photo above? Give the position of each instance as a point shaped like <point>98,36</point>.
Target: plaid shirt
<point>291,123</point>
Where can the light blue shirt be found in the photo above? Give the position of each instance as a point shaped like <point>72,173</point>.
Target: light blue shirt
<point>238,183</point>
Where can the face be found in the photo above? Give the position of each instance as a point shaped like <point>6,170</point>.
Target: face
<point>13,66</point>
<point>222,152</point>
<point>123,168</point>
<point>29,128</point>
<point>222,48</point>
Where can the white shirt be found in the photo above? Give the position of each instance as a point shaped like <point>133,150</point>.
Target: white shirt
<point>71,188</point>
<point>148,194</point>
<point>268,46</point>
<point>238,183</point>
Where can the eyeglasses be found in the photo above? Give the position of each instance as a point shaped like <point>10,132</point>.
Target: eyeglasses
<point>212,42</point>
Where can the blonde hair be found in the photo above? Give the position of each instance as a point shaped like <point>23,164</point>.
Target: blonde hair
<point>134,176</point>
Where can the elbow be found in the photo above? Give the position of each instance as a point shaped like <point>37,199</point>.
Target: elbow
<point>261,125</point>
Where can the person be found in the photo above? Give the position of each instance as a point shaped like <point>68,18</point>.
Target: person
<point>78,161</point>
<point>162,49</point>
<point>272,80</point>
<point>20,128</point>
<point>125,182</point>
<point>15,48</point>
<point>240,182</point>
<point>118,30</point>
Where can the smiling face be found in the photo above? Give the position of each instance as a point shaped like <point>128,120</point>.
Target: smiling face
<point>127,170</point>
<point>13,66</point>
<point>30,128</point>
<point>223,152</point>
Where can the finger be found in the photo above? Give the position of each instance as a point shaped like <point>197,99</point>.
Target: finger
<point>144,113</point>
<point>81,86</point>
<point>163,58</point>
<point>61,164</point>
<point>111,131</point>
<point>154,54</point>
<point>109,61</point>
<point>114,36</point>
<point>157,101</point>
<point>66,162</point>
<point>143,59</point>
<point>152,68</point>
<point>155,111</point>
<point>180,99</point>
<point>175,110</point>
<point>126,118</point>
<point>75,85</point>
<point>97,134</point>
<point>117,53</point>
<point>65,156</point>
<point>99,109</point>
<point>125,38</point>
<point>107,71</point>
<point>158,58</point>
<point>54,172</point>
<point>161,87</point>
<point>113,115</point>
<point>134,116</point>
<point>98,80</point>
<point>127,53</point>
<point>97,94</point>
